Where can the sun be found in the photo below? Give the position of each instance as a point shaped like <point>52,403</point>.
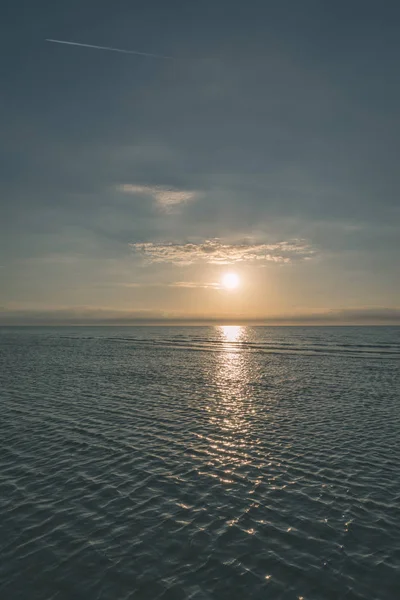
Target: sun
<point>230,281</point>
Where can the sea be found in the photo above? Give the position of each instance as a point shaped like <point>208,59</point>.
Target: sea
<point>201,463</point>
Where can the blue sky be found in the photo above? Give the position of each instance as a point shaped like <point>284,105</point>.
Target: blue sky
<point>268,146</point>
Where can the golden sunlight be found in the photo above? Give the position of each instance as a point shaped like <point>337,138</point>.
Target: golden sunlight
<point>232,333</point>
<point>230,281</point>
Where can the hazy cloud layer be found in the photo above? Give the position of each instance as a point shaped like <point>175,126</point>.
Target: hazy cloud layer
<point>175,284</point>
<point>218,253</point>
<point>196,285</point>
<point>166,198</point>
<point>94,315</point>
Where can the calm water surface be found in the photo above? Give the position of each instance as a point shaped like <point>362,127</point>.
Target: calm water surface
<point>199,463</point>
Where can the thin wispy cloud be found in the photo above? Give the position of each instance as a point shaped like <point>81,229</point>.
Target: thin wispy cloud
<point>134,284</point>
<point>174,284</point>
<point>110,49</point>
<point>196,285</point>
<point>217,253</point>
<point>166,198</point>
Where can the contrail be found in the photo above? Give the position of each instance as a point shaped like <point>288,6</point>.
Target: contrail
<point>111,49</point>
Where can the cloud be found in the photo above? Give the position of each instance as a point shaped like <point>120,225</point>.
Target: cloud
<point>166,198</point>
<point>134,285</point>
<point>363,315</point>
<point>99,315</point>
<point>218,253</point>
<point>174,284</point>
<point>79,315</point>
<point>196,285</point>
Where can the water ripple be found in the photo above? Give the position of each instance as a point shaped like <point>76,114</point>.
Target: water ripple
<point>264,464</point>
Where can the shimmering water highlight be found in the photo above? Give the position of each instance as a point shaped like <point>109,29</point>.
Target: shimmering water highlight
<point>199,462</point>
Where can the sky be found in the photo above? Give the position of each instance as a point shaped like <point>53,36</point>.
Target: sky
<point>266,146</point>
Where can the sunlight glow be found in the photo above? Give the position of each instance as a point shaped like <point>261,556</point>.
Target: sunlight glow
<point>230,281</point>
<point>231,333</point>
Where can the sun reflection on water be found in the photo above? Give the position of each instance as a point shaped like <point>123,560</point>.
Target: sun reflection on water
<point>233,434</point>
<point>232,404</point>
<point>231,376</point>
<point>232,333</point>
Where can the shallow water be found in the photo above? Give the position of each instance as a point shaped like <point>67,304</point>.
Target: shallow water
<point>199,462</point>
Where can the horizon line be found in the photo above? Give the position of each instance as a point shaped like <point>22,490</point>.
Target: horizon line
<point>201,323</point>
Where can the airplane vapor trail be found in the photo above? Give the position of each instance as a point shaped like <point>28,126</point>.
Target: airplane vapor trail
<point>110,49</point>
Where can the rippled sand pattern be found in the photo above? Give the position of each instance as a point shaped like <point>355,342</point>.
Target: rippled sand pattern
<point>202,463</point>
